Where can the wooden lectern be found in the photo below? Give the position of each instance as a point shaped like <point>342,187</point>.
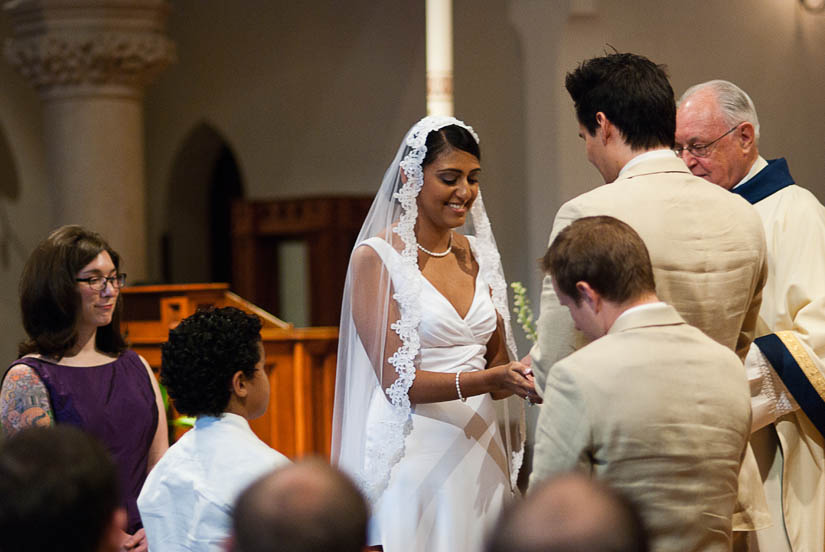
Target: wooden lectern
<point>301,360</point>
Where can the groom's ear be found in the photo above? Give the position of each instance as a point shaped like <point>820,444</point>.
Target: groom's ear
<point>589,295</point>
<point>606,127</point>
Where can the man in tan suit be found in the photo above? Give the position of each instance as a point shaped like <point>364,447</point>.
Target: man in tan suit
<point>652,406</point>
<point>707,246</point>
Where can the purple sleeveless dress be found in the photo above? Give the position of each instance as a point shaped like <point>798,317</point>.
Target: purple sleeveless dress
<point>115,403</point>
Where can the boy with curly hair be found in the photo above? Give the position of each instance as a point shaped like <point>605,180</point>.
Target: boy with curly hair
<point>213,369</point>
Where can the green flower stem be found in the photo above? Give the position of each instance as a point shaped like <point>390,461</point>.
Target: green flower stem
<point>523,312</point>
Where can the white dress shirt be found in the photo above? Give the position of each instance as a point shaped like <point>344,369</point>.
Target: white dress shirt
<point>188,496</point>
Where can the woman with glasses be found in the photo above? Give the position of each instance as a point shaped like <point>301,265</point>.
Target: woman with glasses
<point>75,368</point>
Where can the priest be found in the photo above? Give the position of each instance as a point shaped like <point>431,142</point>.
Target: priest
<point>717,135</point>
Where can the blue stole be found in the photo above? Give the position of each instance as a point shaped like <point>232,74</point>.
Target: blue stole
<point>799,374</point>
<point>767,182</point>
<point>782,349</point>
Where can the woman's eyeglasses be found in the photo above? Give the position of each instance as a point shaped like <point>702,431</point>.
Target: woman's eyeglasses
<point>98,283</point>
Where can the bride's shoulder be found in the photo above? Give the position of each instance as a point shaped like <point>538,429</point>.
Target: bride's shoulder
<point>382,243</point>
<point>370,247</point>
<point>365,251</point>
<point>370,254</point>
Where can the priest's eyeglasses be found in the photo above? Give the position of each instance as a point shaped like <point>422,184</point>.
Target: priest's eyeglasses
<point>701,150</point>
<point>98,283</point>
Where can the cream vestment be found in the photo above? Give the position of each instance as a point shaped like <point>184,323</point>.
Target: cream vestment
<point>789,356</point>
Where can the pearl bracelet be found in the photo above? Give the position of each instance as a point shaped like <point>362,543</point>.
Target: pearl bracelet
<point>458,387</point>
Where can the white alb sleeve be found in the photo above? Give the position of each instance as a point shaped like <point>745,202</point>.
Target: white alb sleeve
<point>770,399</point>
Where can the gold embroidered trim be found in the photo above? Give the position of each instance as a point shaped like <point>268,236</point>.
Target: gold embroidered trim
<point>801,357</point>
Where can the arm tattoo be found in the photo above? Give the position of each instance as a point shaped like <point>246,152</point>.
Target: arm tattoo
<point>24,401</point>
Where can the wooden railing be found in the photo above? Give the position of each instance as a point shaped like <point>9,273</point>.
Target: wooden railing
<point>301,360</point>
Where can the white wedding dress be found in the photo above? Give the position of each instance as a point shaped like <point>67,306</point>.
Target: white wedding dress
<point>452,481</point>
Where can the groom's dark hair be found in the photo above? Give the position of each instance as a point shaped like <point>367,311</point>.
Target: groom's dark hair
<point>634,94</point>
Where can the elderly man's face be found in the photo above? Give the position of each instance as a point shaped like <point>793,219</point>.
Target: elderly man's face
<point>699,121</point>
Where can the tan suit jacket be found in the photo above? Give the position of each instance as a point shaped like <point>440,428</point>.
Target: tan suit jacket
<point>660,412</point>
<point>707,247</point>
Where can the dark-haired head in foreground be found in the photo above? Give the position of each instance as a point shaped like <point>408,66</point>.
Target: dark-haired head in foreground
<point>570,513</point>
<point>58,492</point>
<point>306,507</point>
<point>210,364</point>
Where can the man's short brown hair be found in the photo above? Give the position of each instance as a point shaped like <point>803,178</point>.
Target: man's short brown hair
<point>604,252</point>
<point>309,506</point>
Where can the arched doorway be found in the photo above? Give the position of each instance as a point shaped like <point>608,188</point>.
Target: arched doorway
<point>10,243</point>
<point>204,181</point>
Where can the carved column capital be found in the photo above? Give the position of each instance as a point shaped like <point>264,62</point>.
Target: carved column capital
<point>89,47</point>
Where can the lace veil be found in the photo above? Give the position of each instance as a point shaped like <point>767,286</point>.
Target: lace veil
<point>378,348</point>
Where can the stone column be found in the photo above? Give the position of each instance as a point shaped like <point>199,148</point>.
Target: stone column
<point>89,61</point>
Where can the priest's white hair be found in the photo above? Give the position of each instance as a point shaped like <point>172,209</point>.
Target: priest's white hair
<point>736,105</point>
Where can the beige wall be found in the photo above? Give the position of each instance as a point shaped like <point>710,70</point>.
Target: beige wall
<point>313,98</point>
<point>771,48</point>
<point>25,208</point>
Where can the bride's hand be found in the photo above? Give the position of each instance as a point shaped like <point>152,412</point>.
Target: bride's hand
<point>514,378</point>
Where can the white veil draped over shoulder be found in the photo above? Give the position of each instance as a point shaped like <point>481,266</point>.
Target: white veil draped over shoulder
<point>379,342</point>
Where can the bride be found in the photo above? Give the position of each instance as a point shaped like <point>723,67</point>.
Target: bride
<point>425,348</point>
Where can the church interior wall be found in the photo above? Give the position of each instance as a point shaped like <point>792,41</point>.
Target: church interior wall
<point>313,98</point>
<point>773,50</point>
<point>26,213</point>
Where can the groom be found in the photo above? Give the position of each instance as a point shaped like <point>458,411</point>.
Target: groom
<point>706,245</point>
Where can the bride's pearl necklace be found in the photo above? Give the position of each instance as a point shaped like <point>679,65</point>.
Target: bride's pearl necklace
<point>443,253</point>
